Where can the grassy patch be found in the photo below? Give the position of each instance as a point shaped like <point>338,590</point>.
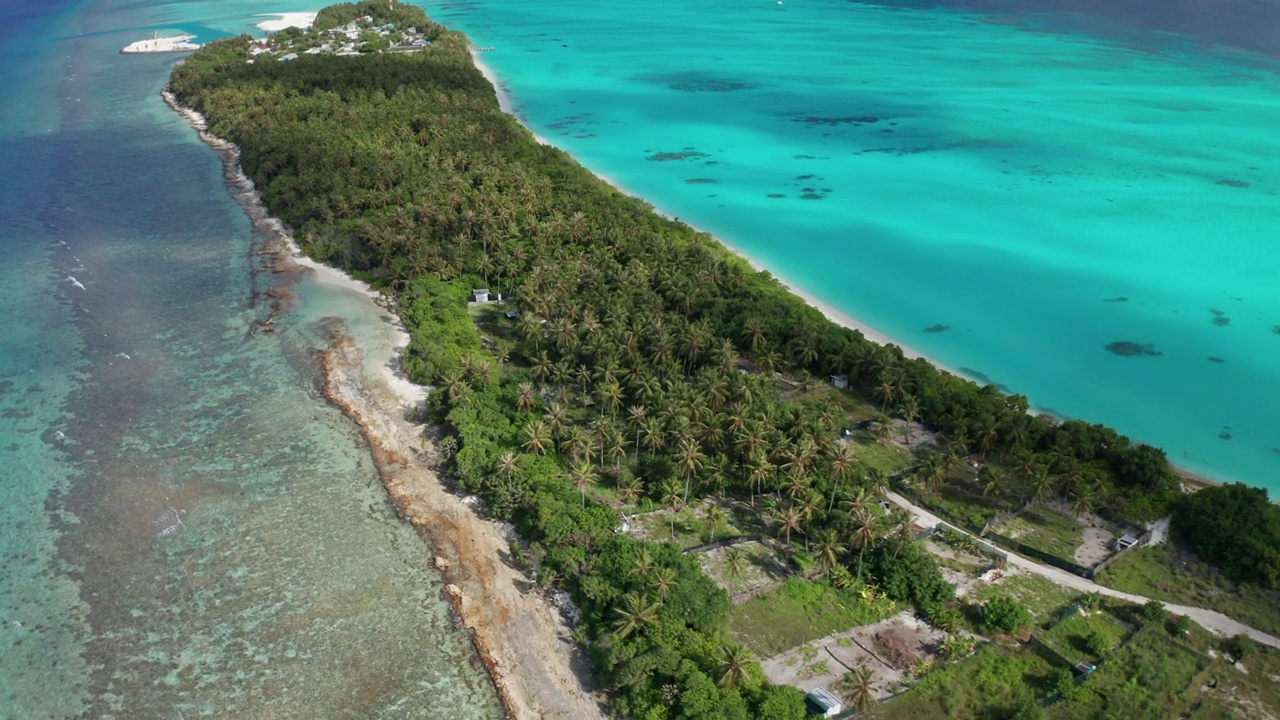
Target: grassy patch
<point>1228,693</point>
<point>884,458</point>
<point>1150,677</point>
<point>1164,573</point>
<point>1045,599</point>
<point>1047,530</point>
<point>994,682</point>
<point>1072,638</point>
<point>799,611</point>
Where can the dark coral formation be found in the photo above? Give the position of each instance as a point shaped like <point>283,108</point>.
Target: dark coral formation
<point>672,156</point>
<point>1228,182</point>
<point>836,121</point>
<point>1125,348</point>
<point>1220,318</point>
<point>702,181</point>
<point>937,328</point>
<point>1119,299</point>
<point>1214,359</point>
<point>716,86</point>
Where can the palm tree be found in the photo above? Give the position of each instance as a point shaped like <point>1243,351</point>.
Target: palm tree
<point>507,464</point>
<point>673,500</point>
<point>664,579</point>
<point>538,436</point>
<point>841,460</point>
<point>900,521</point>
<point>910,413</point>
<point>583,475</point>
<point>556,418</point>
<point>691,458</point>
<point>644,564</point>
<point>864,534</point>
<point>636,414</point>
<point>636,614</point>
<point>862,694</point>
<point>789,521</point>
<point>735,566</point>
<point>715,517</point>
<point>755,333</point>
<point>829,550</point>
<point>524,400</point>
<point>761,471</point>
<point>734,660</point>
<point>629,489</point>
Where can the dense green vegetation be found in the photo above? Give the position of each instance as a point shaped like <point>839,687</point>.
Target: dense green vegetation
<point>1235,527</point>
<point>642,362</point>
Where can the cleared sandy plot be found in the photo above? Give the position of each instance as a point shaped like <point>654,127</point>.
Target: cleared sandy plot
<point>889,648</point>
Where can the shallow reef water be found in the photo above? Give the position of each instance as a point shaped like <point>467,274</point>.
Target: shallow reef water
<point>994,168</point>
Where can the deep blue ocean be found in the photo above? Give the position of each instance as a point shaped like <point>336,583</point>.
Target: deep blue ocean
<point>188,529</point>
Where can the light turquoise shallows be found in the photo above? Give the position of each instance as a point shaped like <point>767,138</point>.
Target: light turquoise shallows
<point>1040,195</point>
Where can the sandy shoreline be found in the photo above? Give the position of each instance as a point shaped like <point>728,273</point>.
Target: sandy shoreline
<point>286,20</point>
<point>832,314</point>
<point>1191,479</point>
<point>524,641</point>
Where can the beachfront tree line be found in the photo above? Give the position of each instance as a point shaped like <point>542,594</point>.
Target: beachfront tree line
<point>642,361</point>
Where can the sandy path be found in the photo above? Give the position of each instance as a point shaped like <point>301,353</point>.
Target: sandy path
<point>524,642</point>
<point>1210,620</point>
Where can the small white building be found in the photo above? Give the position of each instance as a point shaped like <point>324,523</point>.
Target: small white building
<point>840,382</point>
<point>822,703</point>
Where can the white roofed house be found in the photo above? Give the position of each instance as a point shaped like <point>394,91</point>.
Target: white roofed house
<point>822,703</point>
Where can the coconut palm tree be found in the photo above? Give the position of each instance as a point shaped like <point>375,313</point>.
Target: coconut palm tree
<point>841,461</point>
<point>790,520</point>
<point>664,579</point>
<point>537,435</point>
<point>861,693</point>
<point>865,533</point>
<point>673,500</point>
<point>691,457</point>
<point>734,660</point>
<point>630,489</point>
<point>636,613</point>
<point>735,566</point>
<point>582,475</point>
<point>715,517</point>
<point>524,400</point>
<point>643,565</point>
<point>829,551</point>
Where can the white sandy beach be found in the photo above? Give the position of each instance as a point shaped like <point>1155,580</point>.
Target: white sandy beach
<point>173,44</point>
<point>832,314</point>
<point>286,20</point>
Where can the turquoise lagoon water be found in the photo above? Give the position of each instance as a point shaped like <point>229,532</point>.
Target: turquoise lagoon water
<point>187,528</point>
<point>1006,193</point>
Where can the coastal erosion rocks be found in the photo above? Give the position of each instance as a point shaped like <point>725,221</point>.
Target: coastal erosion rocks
<point>524,644</point>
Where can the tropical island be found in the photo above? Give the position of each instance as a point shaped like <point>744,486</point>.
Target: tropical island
<point>710,471</point>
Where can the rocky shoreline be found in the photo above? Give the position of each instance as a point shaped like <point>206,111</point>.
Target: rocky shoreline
<point>523,641</point>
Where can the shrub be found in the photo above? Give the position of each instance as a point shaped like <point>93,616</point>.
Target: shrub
<point>1242,646</point>
<point>1003,614</point>
<point>1154,612</point>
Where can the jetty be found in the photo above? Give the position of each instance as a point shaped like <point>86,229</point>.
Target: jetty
<point>157,44</point>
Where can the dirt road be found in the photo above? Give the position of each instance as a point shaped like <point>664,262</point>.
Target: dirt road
<point>1210,620</point>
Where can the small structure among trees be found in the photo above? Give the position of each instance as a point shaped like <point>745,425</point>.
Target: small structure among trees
<point>822,703</point>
